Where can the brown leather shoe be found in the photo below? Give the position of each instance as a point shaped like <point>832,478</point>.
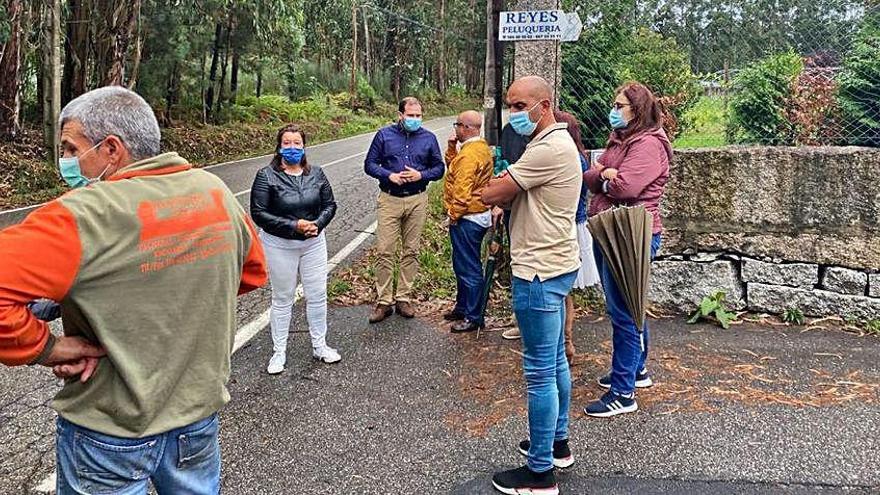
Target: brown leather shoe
<point>380,312</point>
<point>405,309</point>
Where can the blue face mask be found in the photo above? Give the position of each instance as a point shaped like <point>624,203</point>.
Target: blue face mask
<point>521,122</point>
<point>72,173</point>
<point>615,118</point>
<point>411,124</point>
<point>292,155</point>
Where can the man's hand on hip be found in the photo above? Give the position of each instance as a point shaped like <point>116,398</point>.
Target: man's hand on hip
<point>74,356</point>
<point>84,368</point>
<point>69,349</point>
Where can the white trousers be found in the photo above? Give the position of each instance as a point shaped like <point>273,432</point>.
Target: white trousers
<point>289,260</point>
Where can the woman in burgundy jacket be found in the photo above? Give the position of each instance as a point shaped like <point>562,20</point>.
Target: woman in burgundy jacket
<point>633,170</point>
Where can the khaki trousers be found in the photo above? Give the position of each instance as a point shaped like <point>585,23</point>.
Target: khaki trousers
<point>400,220</point>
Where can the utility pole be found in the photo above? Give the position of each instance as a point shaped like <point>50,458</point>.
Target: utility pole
<point>492,101</point>
<point>354,53</point>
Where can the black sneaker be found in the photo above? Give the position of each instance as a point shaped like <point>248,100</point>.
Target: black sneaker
<point>523,481</point>
<point>611,404</point>
<point>562,457</point>
<point>643,380</point>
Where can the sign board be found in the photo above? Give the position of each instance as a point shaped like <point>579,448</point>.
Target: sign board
<point>535,25</point>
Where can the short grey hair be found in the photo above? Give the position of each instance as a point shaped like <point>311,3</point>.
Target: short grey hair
<point>116,111</point>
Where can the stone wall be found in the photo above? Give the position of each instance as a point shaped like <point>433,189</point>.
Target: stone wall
<point>775,228</point>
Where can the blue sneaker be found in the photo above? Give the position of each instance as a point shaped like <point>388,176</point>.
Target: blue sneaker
<point>643,380</point>
<point>611,404</point>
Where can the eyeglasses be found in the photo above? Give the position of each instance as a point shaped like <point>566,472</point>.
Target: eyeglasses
<point>619,106</point>
<point>459,124</point>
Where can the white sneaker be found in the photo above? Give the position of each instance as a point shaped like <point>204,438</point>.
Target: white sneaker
<point>276,363</point>
<point>511,334</point>
<point>327,355</point>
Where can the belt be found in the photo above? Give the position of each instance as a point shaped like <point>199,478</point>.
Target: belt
<point>401,194</point>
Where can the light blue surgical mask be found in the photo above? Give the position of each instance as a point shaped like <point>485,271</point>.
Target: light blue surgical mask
<point>412,124</point>
<point>72,173</point>
<point>521,122</point>
<point>615,118</point>
<point>293,155</point>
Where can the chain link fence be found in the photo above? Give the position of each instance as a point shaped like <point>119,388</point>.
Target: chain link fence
<point>756,72</point>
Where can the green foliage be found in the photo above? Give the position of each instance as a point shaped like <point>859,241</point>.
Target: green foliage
<point>588,67</point>
<point>436,278</point>
<point>274,108</point>
<point>662,65</point>
<point>714,307</point>
<point>757,108</point>
<point>589,299</point>
<point>860,84</point>
<point>338,287</point>
<point>307,79</point>
<point>704,124</point>
<point>366,94</point>
<point>794,316</point>
<point>611,55</point>
<point>873,327</point>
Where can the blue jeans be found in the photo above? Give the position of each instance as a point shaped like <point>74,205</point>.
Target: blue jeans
<point>467,238</point>
<point>183,461</point>
<point>540,312</point>
<point>628,357</point>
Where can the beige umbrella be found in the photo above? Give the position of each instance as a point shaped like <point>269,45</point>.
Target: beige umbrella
<point>624,236</point>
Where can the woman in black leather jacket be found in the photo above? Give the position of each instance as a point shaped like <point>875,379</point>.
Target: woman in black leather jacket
<point>292,203</point>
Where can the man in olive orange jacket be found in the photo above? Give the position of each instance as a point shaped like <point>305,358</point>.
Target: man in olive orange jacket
<point>146,256</point>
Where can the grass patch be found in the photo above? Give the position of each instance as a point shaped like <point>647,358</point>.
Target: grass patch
<point>705,124</point>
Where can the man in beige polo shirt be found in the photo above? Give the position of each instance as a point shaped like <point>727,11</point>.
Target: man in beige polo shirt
<point>542,189</point>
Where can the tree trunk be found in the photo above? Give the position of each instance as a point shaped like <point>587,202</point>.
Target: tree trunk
<point>396,83</point>
<point>202,90</point>
<point>51,76</point>
<point>441,63</point>
<point>123,30</point>
<point>112,39</point>
<point>76,44</point>
<point>212,78</point>
<point>138,52</point>
<point>367,54</point>
<point>10,74</point>
<point>233,79</point>
<point>352,85</point>
<point>221,94</point>
<point>260,77</point>
<point>172,94</point>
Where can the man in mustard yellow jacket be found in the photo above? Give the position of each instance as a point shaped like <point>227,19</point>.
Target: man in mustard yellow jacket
<point>469,164</point>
